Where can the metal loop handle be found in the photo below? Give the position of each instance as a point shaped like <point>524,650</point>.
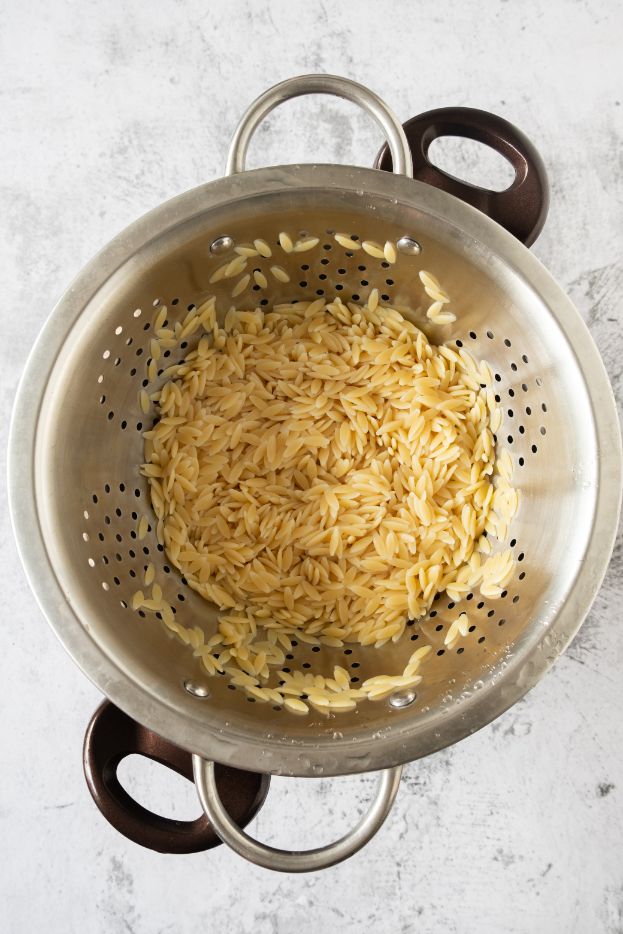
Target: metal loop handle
<point>320,84</point>
<point>293,860</point>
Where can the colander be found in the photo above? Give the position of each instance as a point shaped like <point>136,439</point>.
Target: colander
<point>76,491</point>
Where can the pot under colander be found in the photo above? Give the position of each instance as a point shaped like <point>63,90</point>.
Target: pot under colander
<point>76,449</point>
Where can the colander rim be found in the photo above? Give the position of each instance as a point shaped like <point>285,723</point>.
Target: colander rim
<point>398,744</point>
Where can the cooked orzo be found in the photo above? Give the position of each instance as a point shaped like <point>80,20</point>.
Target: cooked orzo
<point>321,470</point>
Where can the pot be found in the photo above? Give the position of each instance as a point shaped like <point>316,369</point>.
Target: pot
<point>76,493</point>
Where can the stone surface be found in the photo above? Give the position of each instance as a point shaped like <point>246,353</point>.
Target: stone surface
<point>108,109</point>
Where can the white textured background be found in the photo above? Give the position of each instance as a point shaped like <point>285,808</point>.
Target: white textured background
<point>107,109</point>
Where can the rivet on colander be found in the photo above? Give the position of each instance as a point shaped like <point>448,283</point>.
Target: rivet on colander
<point>409,246</point>
<point>402,698</point>
<point>221,245</point>
<point>197,690</point>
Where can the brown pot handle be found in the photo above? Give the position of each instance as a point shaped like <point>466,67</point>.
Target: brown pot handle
<point>110,737</point>
<point>521,208</point>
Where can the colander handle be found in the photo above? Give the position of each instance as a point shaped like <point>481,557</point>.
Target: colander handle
<point>110,737</point>
<point>522,207</point>
<point>320,84</point>
<point>293,860</point>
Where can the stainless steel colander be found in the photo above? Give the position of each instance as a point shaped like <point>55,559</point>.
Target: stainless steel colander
<point>76,447</point>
